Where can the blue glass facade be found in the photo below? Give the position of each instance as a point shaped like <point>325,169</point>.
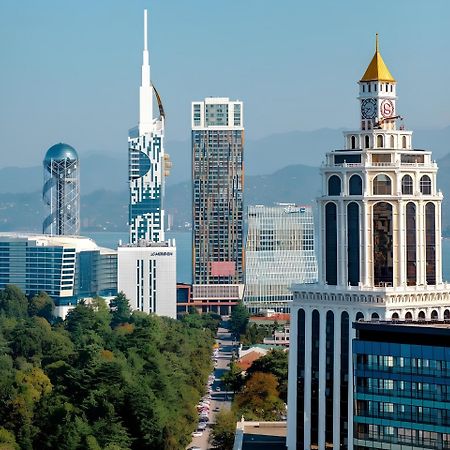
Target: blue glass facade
<point>402,385</point>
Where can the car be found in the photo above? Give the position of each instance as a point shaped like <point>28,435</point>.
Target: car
<point>202,426</point>
<point>216,409</point>
<point>194,448</point>
<point>197,434</point>
<point>217,389</point>
<point>204,419</point>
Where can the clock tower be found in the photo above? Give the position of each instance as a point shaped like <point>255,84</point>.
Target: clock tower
<point>377,95</point>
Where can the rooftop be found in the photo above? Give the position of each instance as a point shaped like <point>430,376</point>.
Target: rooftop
<point>377,69</point>
<point>260,436</point>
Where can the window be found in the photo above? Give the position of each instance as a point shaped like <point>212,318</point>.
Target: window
<point>355,185</point>
<point>334,185</point>
<point>430,240</point>
<point>366,141</point>
<point>403,141</point>
<point>408,316</point>
<point>331,243</point>
<point>380,141</point>
<point>407,185</point>
<point>382,244</point>
<point>382,185</point>
<point>353,142</point>
<point>375,316</point>
<point>392,142</point>
<point>353,244</point>
<point>421,315</point>
<point>434,315</point>
<point>411,244</point>
<point>395,316</point>
<point>425,185</point>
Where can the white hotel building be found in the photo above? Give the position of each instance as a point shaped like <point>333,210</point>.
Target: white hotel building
<point>379,257</point>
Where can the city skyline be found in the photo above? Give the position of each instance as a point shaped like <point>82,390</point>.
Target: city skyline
<point>97,67</point>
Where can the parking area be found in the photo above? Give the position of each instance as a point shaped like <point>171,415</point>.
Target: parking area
<point>217,398</point>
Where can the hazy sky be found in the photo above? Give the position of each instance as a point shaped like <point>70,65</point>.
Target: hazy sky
<point>69,70</point>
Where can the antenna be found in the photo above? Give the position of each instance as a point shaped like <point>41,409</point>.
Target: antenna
<point>145,29</point>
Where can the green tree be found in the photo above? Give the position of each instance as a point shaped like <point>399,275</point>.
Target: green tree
<point>233,379</point>
<point>222,433</point>
<point>13,302</point>
<point>239,319</point>
<point>276,363</point>
<point>41,305</point>
<point>121,311</point>
<point>7,440</point>
<point>259,399</point>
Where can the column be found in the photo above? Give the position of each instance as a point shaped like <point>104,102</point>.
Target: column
<point>292,381</point>
<point>337,378</point>
<point>322,377</point>
<point>307,403</point>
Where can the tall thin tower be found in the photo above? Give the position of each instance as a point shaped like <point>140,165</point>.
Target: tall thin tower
<point>61,191</point>
<point>147,162</point>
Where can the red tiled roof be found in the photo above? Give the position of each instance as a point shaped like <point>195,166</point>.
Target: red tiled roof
<point>247,360</point>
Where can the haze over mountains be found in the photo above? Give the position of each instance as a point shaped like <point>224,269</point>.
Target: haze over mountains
<point>279,168</point>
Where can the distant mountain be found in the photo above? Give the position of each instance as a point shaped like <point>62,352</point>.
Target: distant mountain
<point>262,156</point>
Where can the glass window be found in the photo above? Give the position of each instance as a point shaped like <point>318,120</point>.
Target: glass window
<point>382,244</point>
<point>430,236</point>
<point>407,185</point>
<point>353,243</point>
<point>404,141</point>
<point>366,142</point>
<point>382,185</point>
<point>355,185</point>
<point>380,141</point>
<point>353,142</point>
<point>425,185</point>
<point>331,243</point>
<point>334,185</point>
<point>411,263</point>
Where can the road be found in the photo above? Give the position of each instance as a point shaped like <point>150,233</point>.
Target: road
<point>218,399</point>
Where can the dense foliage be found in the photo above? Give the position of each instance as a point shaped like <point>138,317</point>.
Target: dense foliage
<point>100,380</point>
<point>222,434</point>
<point>239,319</point>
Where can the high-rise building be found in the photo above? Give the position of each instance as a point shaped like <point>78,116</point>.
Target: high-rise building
<point>67,268</point>
<point>218,183</point>
<point>279,252</point>
<point>402,384</point>
<point>147,266</point>
<point>148,163</point>
<point>379,257</point>
<point>61,191</point>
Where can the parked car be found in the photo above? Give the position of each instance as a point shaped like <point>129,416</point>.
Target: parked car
<point>197,434</point>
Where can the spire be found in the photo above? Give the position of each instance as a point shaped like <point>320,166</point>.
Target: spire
<point>145,91</point>
<point>377,69</point>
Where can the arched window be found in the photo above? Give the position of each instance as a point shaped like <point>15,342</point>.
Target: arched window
<point>366,142</point>
<point>430,242</point>
<point>334,185</point>
<point>382,185</point>
<point>434,315</point>
<point>353,142</point>
<point>392,142</point>
<point>353,244</point>
<point>403,141</point>
<point>411,263</point>
<point>355,185</point>
<point>425,185</point>
<point>395,316</point>
<point>329,374</point>
<point>359,316</point>
<point>421,315</point>
<point>331,243</point>
<point>375,316</point>
<point>383,255</point>
<point>447,314</point>
<point>408,316</point>
<point>380,143</point>
<point>407,185</point>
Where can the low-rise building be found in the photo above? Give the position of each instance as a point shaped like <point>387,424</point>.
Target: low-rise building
<point>67,268</point>
<point>260,436</point>
<point>147,276</point>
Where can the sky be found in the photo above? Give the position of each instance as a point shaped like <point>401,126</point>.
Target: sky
<point>70,70</point>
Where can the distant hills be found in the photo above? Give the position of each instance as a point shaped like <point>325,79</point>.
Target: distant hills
<point>279,168</point>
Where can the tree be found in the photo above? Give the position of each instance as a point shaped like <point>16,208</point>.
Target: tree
<point>41,305</point>
<point>7,440</point>
<point>121,311</point>
<point>259,399</point>
<point>233,378</point>
<point>276,363</point>
<point>222,433</point>
<point>13,302</point>
<point>239,319</point>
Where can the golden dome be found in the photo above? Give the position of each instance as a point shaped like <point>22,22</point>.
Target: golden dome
<point>377,70</point>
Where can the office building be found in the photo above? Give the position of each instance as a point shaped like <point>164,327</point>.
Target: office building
<point>279,252</point>
<point>147,265</point>
<point>402,384</point>
<point>67,268</point>
<point>61,191</point>
<point>147,275</point>
<point>148,162</point>
<point>218,183</point>
<point>379,257</point>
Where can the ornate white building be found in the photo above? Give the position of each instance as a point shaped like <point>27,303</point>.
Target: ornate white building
<point>379,257</point>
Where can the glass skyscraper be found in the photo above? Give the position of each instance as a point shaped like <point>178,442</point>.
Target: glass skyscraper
<point>402,385</point>
<point>279,251</point>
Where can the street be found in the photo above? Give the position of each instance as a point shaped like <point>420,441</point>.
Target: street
<point>219,399</point>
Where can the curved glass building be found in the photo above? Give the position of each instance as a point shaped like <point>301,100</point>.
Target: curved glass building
<point>61,191</point>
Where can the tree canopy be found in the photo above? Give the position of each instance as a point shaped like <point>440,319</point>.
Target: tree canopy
<point>100,380</point>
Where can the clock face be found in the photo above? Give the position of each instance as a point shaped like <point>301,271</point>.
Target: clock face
<point>387,108</point>
<point>369,108</point>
